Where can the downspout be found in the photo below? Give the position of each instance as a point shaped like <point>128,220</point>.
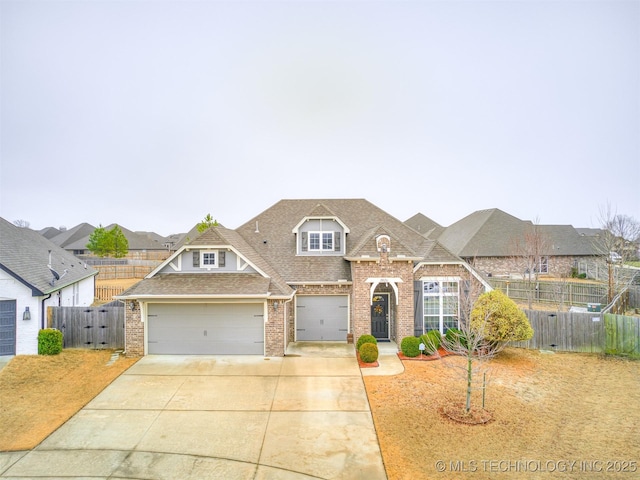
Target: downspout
<point>43,311</point>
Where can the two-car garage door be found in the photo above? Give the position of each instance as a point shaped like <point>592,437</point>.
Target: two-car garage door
<point>206,329</point>
<point>322,317</point>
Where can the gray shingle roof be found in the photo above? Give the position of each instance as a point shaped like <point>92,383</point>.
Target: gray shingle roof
<point>200,284</point>
<point>425,226</point>
<point>215,283</point>
<point>137,241</point>
<point>491,233</point>
<point>275,241</point>
<point>24,254</point>
<point>73,235</point>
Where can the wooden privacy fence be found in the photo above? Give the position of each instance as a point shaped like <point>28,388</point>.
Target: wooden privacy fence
<point>558,293</point>
<point>591,332</point>
<point>623,335</point>
<point>89,327</point>
<point>107,292</point>
<point>566,331</point>
<point>111,272</point>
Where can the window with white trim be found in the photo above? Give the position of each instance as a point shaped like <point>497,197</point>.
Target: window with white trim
<point>441,297</point>
<point>208,259</point>
<point>543,265</point>
<point>320,236</point>
<point>321,241</point>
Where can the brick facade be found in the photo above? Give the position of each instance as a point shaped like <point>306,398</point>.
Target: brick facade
<point>133,330</point>
<point>400,314</point>
<point>558,266</point>
<point>274,331</point>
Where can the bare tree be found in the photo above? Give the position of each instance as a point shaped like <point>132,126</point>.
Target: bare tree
<point>487,321</point>
<point>617,243</point>
<point>530,253</point>
<point>21,223</point>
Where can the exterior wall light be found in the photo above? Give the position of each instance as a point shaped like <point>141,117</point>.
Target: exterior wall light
<point>27,314</point>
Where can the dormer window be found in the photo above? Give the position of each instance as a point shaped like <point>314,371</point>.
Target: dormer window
<point>320,236</point>
<point>321,241</point>
<point>209,259</point>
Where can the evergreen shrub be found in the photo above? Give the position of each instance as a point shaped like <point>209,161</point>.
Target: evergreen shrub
<point>49,341</point>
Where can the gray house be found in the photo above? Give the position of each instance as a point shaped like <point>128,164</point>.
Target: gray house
<point>302,270</point>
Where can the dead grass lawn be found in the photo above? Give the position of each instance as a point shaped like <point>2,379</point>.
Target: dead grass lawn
<point>39,393</point>
<point>546,408</point>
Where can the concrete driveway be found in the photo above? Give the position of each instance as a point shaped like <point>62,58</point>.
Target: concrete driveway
<point>304,416</point>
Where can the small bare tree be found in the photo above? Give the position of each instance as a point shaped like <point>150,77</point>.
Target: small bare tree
<point>488,321</point>
<point>468,351</point>
<point>530,252</point>
<point>618,243</point>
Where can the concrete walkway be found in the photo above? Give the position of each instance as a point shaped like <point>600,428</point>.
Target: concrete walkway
<point>304,416</point>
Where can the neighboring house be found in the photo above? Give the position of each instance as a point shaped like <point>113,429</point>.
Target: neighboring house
<point>35,274</point>
<point>426,226</point>
<point>142,246</point>
<point>499,244</point>
<point>49,232</point>
<point>302,270</point>
<point>73,236</point>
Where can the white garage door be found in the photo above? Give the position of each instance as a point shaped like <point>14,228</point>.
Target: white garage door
<point>206,329</point>
<point>322,317</point>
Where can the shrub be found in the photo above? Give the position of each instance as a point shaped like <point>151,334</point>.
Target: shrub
<point>455,335</point>
<point>368,352</point>
<point>500,319</point>
<point>431,340</point>
<point>49,341</point>
<point>410,346</point>
<point>366,339</point>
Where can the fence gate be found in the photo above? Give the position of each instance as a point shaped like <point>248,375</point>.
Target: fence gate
<point>89,327</point>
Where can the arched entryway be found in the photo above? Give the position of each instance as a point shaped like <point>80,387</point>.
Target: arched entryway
<point>383,296</point>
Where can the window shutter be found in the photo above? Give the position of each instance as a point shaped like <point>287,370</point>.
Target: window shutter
<point>305,240</point>
<point>196,259</point>
<point>221,255</point>
<point>336,241</point>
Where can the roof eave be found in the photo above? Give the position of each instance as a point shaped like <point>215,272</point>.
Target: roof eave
<point>198,297</point>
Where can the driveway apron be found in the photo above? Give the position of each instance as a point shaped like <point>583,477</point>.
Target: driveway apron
<point>304,416</point>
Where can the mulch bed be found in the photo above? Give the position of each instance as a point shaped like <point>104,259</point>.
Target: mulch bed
<point>426,358</point>
<point>364,364</point>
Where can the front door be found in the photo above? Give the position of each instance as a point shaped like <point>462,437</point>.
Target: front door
<point>380,316</point>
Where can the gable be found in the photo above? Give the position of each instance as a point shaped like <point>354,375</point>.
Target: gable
<point>216,256</point>
<point>272,234</point>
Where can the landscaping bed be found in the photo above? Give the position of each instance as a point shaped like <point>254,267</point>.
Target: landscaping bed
<point>546,408</point>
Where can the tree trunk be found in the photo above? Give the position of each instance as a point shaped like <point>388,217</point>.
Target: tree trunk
<point>469,381</point>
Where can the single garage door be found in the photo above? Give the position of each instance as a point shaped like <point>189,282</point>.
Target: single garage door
<point>206,329</point>
<point>322,317</point>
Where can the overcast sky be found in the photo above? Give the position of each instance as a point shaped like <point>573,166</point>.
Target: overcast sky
<point>152,114</point>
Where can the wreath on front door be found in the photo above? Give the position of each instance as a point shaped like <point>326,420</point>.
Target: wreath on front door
<point>378,310</point>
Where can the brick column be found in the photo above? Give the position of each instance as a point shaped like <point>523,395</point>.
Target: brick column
<point>274,330</point>
<point>133,329</point>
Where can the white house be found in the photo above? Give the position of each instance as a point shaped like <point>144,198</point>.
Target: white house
<point>35,274</point>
